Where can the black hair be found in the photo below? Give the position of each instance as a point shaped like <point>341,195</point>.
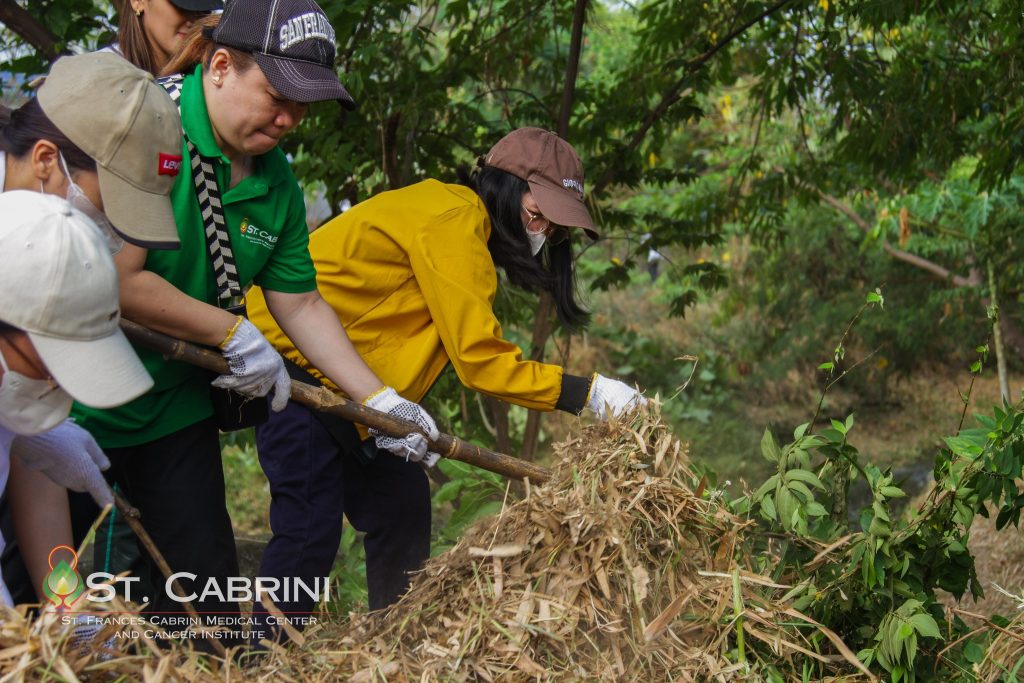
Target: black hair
<point>22,128</point>
<point>7,328</point>
<point>553,270</point>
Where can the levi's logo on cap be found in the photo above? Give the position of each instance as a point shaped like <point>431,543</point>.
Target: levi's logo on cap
<point>170,164</point>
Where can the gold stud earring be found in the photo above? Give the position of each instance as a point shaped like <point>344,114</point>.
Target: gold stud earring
<point>138,13</point>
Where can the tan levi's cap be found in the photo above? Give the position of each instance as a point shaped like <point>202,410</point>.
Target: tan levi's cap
<point>120,117</point>
<point>60,287</point>
<point>553,170</point>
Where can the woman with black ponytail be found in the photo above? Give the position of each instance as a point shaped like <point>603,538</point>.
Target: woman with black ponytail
<point>412,275</point>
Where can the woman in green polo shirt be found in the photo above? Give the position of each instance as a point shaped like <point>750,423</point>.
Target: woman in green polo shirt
<point>249,77</point>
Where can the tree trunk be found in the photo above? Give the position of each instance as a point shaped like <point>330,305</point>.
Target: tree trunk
<point>499,413</point>
<point>28,28</point>
<point>997,335</point>
<point>543,325</point>
<point>544,321</point>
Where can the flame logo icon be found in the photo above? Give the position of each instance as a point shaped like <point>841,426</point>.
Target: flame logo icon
<point>63,585</point>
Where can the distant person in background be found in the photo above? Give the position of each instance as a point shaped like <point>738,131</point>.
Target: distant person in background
<point>59,336</point>
<point>150,31</point>
<point>412,275</point>
<point>102,134</point>
<point>654,259</point>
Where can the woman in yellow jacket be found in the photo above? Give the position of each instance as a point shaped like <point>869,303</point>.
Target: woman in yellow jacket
<point>412,276</point>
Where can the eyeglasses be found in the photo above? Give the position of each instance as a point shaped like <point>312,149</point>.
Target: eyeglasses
<point>555,234</point>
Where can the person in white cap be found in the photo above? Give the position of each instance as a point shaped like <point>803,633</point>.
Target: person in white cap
<point>59,335</point>
<point>102,134</point>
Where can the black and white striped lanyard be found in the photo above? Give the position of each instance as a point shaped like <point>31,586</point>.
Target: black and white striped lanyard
<point>229,291</point>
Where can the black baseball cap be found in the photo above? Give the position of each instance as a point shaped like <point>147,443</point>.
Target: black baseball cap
<point>198,5</point>
<point>292,41</point>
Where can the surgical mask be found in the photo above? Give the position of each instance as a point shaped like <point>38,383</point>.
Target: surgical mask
<point>77,198</point>
<point>536,241</point>
<point>31,406</point>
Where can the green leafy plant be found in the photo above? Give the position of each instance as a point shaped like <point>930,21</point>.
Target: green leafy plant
<point>878,584</point>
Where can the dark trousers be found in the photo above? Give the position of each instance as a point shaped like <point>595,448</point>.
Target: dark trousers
<point>315,479</point>
<point>177,484</point>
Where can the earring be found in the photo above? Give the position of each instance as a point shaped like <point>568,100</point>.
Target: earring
<point>215,79</point>
<point>138,13</point>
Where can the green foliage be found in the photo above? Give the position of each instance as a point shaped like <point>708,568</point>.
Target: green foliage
<point>879,588</point>
<point>468,495</point>
<point>815,279</point>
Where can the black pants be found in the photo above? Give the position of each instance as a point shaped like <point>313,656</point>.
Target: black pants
<point>177,484</point>
<point>315,479</point>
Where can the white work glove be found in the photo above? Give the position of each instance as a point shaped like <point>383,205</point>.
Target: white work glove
<point>612,394</point>
<point>412,446</point>
<point>256,367</point>
<point>68,455</point>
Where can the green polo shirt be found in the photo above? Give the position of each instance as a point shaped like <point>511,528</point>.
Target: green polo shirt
<point>266,220</point>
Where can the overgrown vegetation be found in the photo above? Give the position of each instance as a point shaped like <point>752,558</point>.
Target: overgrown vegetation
<point>783,157</point>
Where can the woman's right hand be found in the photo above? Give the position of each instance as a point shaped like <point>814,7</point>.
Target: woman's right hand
<point>256,367</point>
<point>612,397</point>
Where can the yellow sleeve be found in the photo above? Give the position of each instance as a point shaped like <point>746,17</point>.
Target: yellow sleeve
<point>457,277</point>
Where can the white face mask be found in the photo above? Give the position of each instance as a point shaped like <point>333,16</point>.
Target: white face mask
<point>77,198</point>
<point>536,241</point>
<point>30,406</point>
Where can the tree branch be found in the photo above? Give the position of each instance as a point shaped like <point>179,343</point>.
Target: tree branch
<point>913,259</point>
<point>572,68</point>
<point>28,28</point>
<point>675,93</point>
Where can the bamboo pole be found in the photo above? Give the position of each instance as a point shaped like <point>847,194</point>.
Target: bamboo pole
<point>131,515</point>
<point>324,400</point>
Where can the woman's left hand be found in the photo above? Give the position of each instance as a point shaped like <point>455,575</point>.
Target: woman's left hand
<point>412,446</point>
<point>612,397</point>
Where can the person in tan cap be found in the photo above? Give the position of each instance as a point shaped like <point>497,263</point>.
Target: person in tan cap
<point>412,275</point>
<point>101,133</point>
<point>59,340</point>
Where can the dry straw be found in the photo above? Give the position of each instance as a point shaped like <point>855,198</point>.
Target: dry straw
<point>623,567</point>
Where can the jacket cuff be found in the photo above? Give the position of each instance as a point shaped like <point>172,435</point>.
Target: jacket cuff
<point>575,391</point>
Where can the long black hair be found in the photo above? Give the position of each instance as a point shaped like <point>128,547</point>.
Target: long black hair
<point>22,128</point>
<point>552,270</point>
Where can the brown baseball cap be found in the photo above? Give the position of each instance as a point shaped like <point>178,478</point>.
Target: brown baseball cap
<point>553,170</point>
<point>120,117</point>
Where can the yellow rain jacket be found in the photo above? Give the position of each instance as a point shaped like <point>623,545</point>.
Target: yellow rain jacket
<point>410,277</point>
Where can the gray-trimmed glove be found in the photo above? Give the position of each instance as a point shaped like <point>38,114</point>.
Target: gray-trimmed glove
<point>256,367</point>
<point>412,446</point>
<point>68,455</point>
<point>611,394</point>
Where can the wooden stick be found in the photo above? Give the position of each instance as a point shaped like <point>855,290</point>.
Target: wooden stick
<point>324,400</point>
<point>132,517</point>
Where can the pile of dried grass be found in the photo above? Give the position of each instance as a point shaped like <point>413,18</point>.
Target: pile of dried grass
<point>621,568</point>
<point>1004,659</point>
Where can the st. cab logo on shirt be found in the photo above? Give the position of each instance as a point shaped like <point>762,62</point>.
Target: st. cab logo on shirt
<point>257,236</point>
